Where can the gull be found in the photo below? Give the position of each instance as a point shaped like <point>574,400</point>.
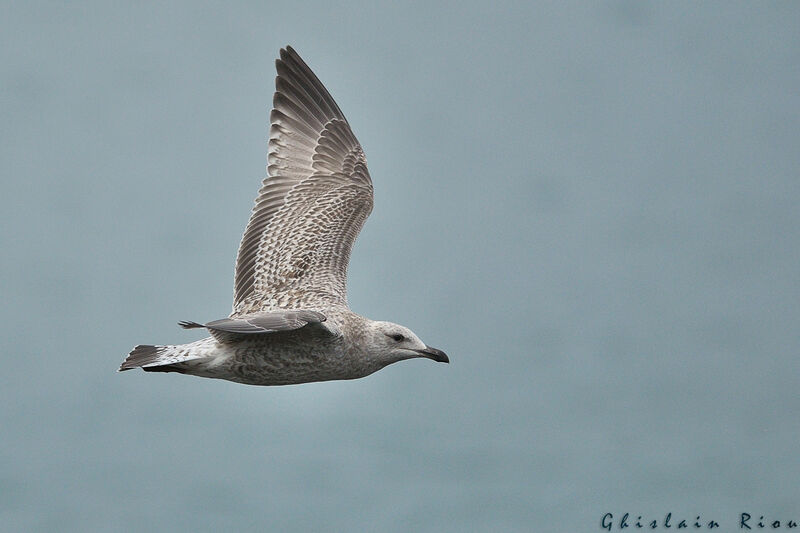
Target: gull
<point>291,322</point>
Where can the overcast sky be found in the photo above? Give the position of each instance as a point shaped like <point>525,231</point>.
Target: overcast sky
<point>591,207</point>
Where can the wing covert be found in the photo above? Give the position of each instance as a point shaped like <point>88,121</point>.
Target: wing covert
<point>236,329</point>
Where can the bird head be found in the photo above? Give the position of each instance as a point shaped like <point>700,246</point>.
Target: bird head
<point>394,342</point>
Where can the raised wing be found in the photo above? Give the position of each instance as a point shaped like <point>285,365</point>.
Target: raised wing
<point>312,205</point>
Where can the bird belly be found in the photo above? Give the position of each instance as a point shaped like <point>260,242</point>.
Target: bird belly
<point>256,363</point>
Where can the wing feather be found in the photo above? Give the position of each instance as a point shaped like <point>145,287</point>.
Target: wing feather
<point>312,205</point>
<point>235,329</point>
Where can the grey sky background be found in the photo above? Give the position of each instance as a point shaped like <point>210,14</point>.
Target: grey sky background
<point>591,207</point>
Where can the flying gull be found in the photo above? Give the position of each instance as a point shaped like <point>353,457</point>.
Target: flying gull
<point>291,322</point>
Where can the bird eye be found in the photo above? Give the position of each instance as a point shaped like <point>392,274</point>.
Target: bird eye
<point>398,337</point>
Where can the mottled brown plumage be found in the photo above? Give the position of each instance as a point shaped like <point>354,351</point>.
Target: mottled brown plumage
<point>291,322</point>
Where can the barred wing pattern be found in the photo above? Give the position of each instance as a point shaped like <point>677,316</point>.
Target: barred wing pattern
<point>312,205</point>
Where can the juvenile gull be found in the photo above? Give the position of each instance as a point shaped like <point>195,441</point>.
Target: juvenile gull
<point>290,321</point>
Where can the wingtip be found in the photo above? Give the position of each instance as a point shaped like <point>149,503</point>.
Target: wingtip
<point>290,56</point>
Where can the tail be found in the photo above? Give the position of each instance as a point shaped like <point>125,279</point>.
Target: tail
<point>151,359</point>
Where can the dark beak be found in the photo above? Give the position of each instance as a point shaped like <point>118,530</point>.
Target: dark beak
<point>433,353</point>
